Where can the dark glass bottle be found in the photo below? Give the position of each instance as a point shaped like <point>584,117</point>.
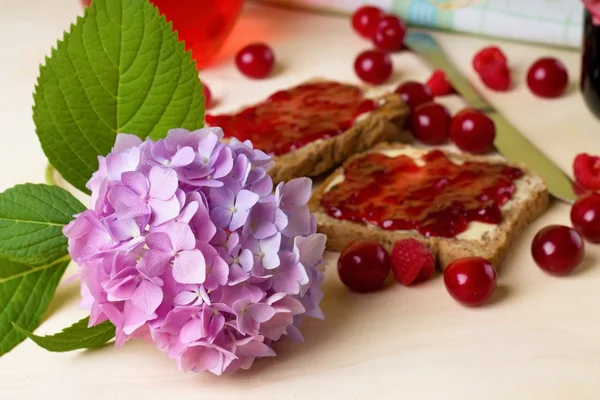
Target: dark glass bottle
<point>590,64</point>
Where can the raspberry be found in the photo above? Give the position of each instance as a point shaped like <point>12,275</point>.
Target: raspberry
<point>412,262</point>
<point>487,56</point>
<point>587,171</point>
<point>580,190</point>
<point>496,76</point>
<point>438,83</point>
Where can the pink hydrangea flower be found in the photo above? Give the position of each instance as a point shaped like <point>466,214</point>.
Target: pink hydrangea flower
<point>186,243</point>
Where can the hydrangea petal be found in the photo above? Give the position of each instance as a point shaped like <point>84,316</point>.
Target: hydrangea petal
<point>185,298</point>
<point>223,163</point>
<point>125,141</point>
<point>163,183</point>
<point>181,235</point>
<point>261,312</point>
<point>134,318</point>
<point>118,163</point>
<point>191,331</point>
<point>147,297</point>
<point>221,217</point>
<point>136,181</point>
<point>126,202</point>
<point>189,267</point>
<point>297,192</point>
<point>188,212</point>
<point>184,156</point>
<point>159,241</point>
<point>164,210</point>
<point>310,249</point>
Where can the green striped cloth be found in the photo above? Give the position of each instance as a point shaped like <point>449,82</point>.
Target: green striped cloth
<point>555,22</point>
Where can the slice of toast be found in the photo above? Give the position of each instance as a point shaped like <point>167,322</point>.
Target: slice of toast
<point>529,201</point>
<point>384,124</point>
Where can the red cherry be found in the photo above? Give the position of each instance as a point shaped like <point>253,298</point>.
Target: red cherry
<point>431,123</point>
<point>414,94</point>
<point>365,20</point>
<point>496,76</point>
<point>373,66</point>
<point>389,34</point>
<point>255,60</point>
<point>585,216</point>
<point>557,249</point>
<point>388,20</point>
<point>487,56</point>
<point>473,131</point>
<point>547,78</point>
<point>363,266</point>
<point>207,95</point>
<point>471,281</point>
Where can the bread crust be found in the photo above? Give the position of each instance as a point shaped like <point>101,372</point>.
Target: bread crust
<point>382,125</point>
<point>493,246</point>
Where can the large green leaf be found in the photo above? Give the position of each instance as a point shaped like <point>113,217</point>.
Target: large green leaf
<point>25,292</point>
<point>119,69</point>
<point>77,336</point>
<point>31,222</point>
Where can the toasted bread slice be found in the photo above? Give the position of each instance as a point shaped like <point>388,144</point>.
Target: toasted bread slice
<point>383,124</point>
<point>492,242</point>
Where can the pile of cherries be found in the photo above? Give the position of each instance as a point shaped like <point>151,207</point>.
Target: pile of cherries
<point>387,33</point>
<point>431,122</point>
<point>547,77</point>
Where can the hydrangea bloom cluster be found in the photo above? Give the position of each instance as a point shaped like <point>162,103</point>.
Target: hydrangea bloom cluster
<point>187,244</point>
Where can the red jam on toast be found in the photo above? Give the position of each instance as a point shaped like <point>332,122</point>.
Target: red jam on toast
<point>292,118</point>
<point>436,197</point>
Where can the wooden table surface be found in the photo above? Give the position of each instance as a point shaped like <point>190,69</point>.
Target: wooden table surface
<point>539,338</point>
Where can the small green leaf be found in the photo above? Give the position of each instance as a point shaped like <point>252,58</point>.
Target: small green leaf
<point>31,222</point>
<point>77,336</point>
<point>25,292</point>
<point>119,69</point>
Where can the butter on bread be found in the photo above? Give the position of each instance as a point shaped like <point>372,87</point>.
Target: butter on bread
<point>485,240</point>
<point>383,124</point>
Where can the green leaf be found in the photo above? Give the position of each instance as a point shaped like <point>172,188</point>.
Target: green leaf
<point>119,69</point>
<point>25,292</point>
<point>31,222</point>
<point>77,336</point>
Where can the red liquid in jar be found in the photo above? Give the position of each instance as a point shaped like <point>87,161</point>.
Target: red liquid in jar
<point>290,119</point>
<point>202,24</point>
<point>437,199</point>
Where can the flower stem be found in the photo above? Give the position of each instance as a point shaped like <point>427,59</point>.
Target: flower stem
<point>50,175</point>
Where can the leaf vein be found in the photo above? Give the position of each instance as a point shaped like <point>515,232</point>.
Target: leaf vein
<point>34,269</point>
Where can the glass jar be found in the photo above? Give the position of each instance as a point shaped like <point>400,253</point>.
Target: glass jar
<point>590,64</point>
<point>202,24</point>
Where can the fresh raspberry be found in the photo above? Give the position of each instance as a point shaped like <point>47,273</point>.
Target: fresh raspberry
<point>487,56</point>
<point>412,262</point>
<point>438,83</point>
<point>587,171</point>
<point>580,190</point>
<point>496,76</point>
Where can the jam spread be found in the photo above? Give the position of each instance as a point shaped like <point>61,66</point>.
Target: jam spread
<point>290,119</point>
<point>438,198</point>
